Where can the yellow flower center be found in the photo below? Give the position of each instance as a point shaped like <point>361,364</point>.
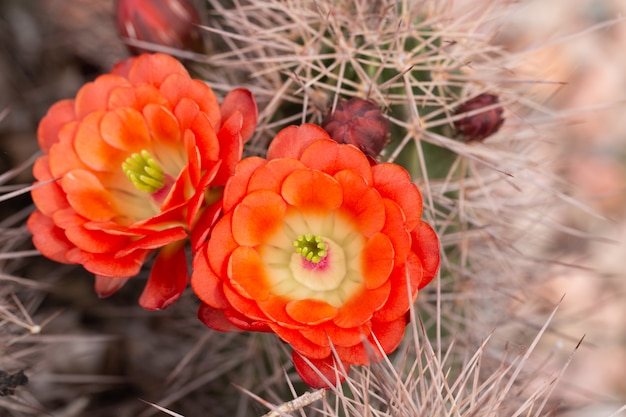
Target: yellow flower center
<point>144,172</point>
<point>315,257</point>
<point>312,248</point>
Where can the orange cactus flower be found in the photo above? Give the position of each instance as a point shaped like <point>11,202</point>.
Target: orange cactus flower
<point>129,166</point>
<point>319,247</point>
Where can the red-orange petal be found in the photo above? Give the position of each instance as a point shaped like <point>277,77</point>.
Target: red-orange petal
<point>50,197</point>
<point>94,96</point>
<point>275,309</point>
<point>154,69</point>
<point>331,157</point>
<point>257,217</point>
<point>48,238</point>
<point>425,244</point>
<point>394,182</point>
<point>107,264</point>
<point>168,278</point>
<point>237,186</point>
<point>124,129</point>
<point>88,196</point>
<point>163,126</point>
<point>94,240</point>
<point>247,274</point>
<point>312,191</point>
<point>328,332</point>
<point>377,260</point>
<point>389,336</point>
<point>156,240</point>
<point>310,312</point>
<point>220,245</point>
<point>230,147</point>
<point>364,204</point>
<point>205,283</point>
<point>215,319</point>
<point>327,374</point>
<point>400,300</point>
<point>395,230</point>
<point>58,115</point>
<point>361,306</point>
<point>242,101</point>
<point>291,141</point>
<point>107,286</point>
<point>300,343</point>
<point>63,157</point>
<point>92,149</point>
<point>271,175</point>
<point>177,87</point>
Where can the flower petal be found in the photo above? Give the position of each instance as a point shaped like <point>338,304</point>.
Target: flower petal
<point>177,87</point>
<point>88,196</point>
<point>237,185</point>
<point>48,238</point>
<point>400,299</point>
<point>168,278</point>
<point>125,129</point>
<point>247,274</point>
<point>271,175</point>
<point>389,336</point>
<point>310,312</point>
<point>163,127</point>
<point>258,216</point>
<point>152,69</point>
<point>242,101</point>
<point>425,244</point>
<point>326,373</point>
<point>328,332</point>
<point>300,343</point>
<point>58,115</point>
<point>230,147</point>
<point>93,150</point>
<point>377,260</point>
<point>107,286</point>
<point>155,240</point>
<point>312,191</point>
<point>291,141</point>
<point>363,203</point>
<point>331,157</point>
<point>361,306</point>
<point>107,264</point>
<point>47,197</point>
<point>215,319</point>
<point>94,96</point>
<point>394,182</point>
<point>206,284</point>
<point>95,241</point>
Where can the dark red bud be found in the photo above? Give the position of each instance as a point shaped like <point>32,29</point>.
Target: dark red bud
<point>483,124</point>
<point>360,123</point>
<point>171,23</point>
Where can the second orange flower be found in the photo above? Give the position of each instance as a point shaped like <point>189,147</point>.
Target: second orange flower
<point>130,166</point>
<point>319,247</point>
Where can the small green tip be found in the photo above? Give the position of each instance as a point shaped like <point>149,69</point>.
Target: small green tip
<point>310,247</point>
<point>144,172</point>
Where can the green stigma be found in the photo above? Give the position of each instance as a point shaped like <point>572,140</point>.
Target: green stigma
<point>144,172</point>
<point>312,248</point>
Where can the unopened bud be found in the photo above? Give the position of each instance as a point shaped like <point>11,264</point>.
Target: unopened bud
<point>360,123</point>
<point>480,125</point>
<point>171,23</point>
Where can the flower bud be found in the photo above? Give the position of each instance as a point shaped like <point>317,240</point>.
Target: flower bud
<point>480,125</point>
<point>360,123</point>
<point>171,23</point>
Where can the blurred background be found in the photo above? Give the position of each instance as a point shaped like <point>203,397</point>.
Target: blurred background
<point>49,48</point>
